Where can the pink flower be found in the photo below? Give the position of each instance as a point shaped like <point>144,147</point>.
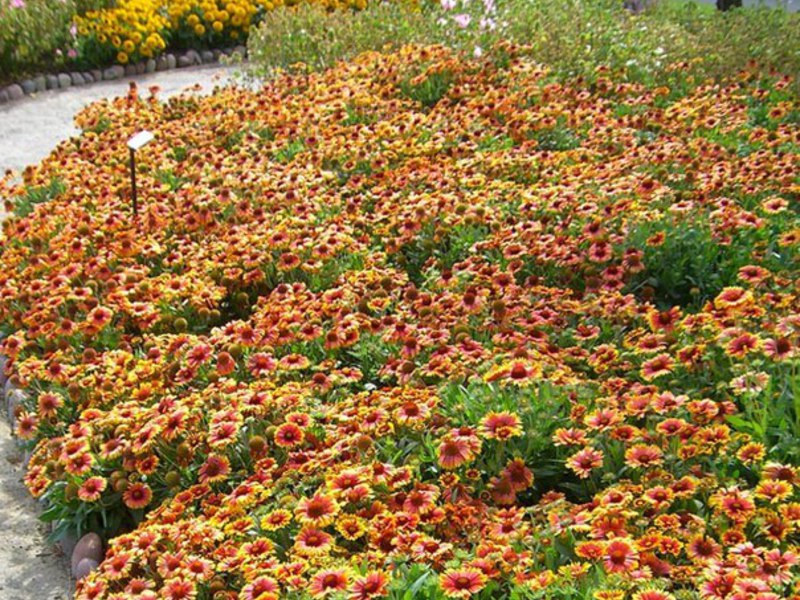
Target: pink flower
<point>17,4</point>
<point>462,20</point>
<point>448,4</point>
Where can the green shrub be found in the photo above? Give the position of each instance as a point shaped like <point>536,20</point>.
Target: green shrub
<point>728,41</point>
<point>38,35</point>
<point>572,37</point>
<point>308,36</point>
<point>34,34</point>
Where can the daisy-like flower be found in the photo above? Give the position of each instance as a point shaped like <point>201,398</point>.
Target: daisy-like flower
<point>311,541</point>
<point>374,584</point>
<point>421,499</point>
<point>653,595</point>
<point>328,581</point>
<point>743,344</point>
<point>620,556</point>
<point>501,426</point>
<point>753,274</point>
<point>117,565</point>
<point>751,453</point>
<point>664,320</point>
<point>300,419</point>
<point>657,366</point>
<point>642,455</point>
<point>288,435</point>
<point>779,472</point>
<point>585,461</point>
<point>49,403</point>
<point>294,362</point>
<point>317,511</point>
<point>215,468</point>
<point>80,463</point>
<point>99,317</point>
<point>519,476</point>
<point>225,363</point>
<point>569,437</point>
<point>517,372</point>
<point>774,205</point>
<point>137,496</point>
<point>462,583</point>
<point>179,589</point>
<point>734,504</point>
<point>351,527</point>
<point>773,491</point>
<point>733,298</point>
<point>778,348</point>
<point>261,588</point>
<point>277,519</point>
<point>454,453</point>
<point>27,426</point>
<point>590,550</point>
<point>261,364</point>
<point>92,489</point>
<point>702,548</point>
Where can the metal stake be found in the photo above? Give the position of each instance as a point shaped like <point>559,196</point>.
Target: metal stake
<point>138,141</point>
<point>133,181</point>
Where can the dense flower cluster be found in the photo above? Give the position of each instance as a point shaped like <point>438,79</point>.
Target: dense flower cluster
<point>419,325</point>
<point>133,28</point>
<point>35,34</point>
<point>136,29</point>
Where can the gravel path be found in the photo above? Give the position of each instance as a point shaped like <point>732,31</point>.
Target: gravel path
<point>30,569</point>
<point>31,128</point>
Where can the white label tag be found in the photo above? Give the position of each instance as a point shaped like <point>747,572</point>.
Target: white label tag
<point>140,139</point>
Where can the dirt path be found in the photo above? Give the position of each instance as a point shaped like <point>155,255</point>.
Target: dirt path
<point>30,569</point>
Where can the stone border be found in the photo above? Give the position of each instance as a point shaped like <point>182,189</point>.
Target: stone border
<point>164,62</point>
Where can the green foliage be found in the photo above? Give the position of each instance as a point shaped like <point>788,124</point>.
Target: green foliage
<point>309,37</point>
<point>427,90</point>
<point>556,138</point>
<point>572,37</point>
<point>36,36</point>
<point>289,151</point>
<point>24,205</point>
<point>692,264</point>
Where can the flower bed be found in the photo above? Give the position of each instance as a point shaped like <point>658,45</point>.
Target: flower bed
<point>419,325</point>
<point>79,35</point>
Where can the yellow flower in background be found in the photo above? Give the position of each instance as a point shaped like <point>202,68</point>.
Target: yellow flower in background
<point>140,28</point>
